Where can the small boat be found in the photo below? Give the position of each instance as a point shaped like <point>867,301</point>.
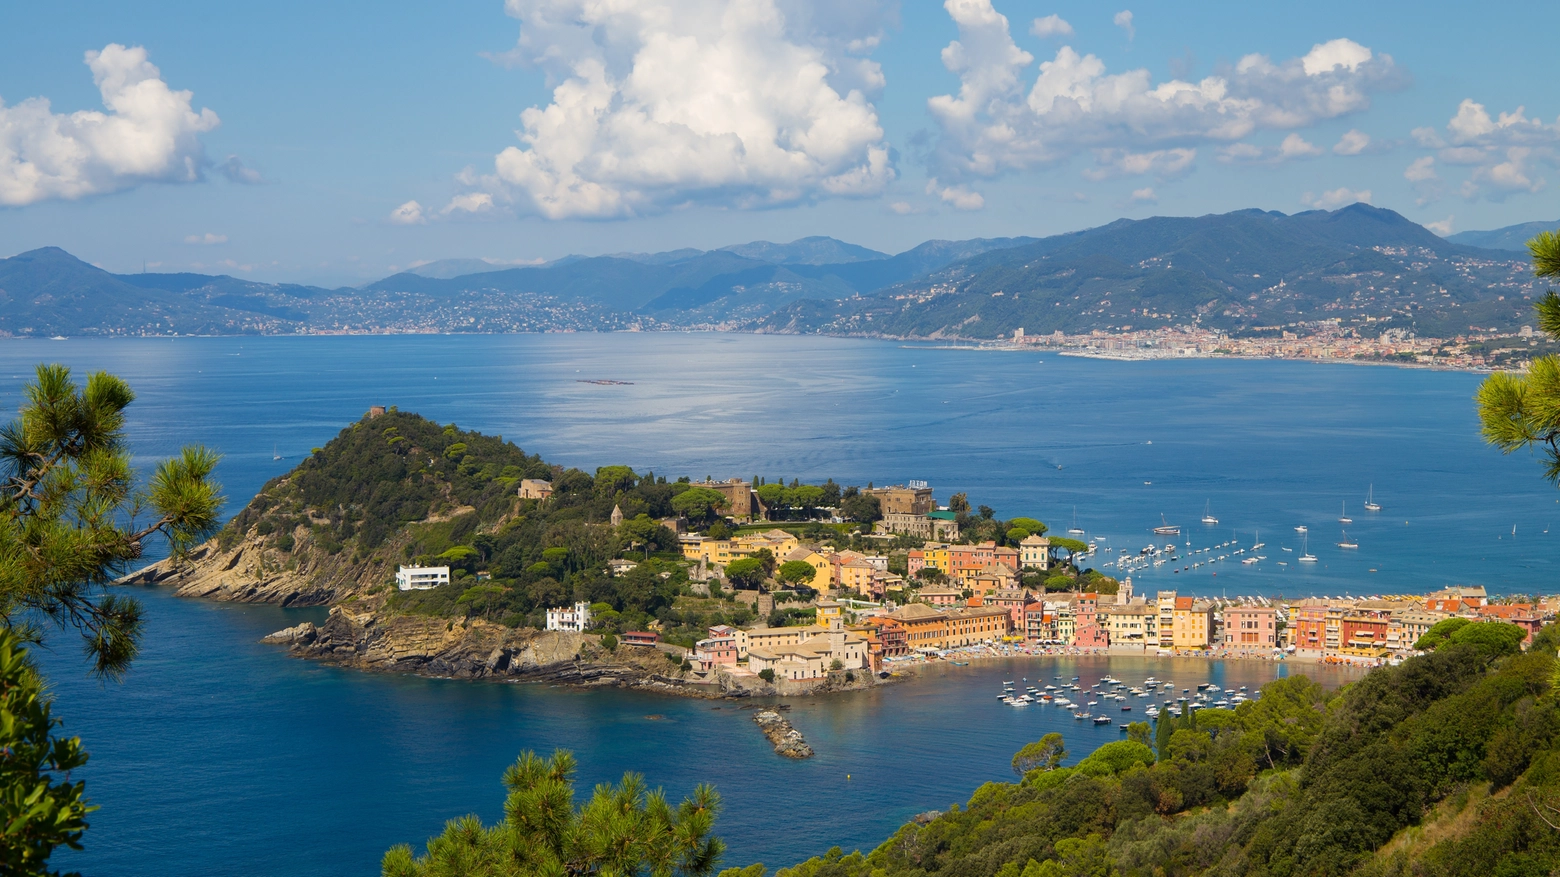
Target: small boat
<point>1347,542</point>
<point>275,454</point>
<point>1370,500</point>
<point>1208,517</point>
<point>1075,530</point>
<point>960,663</point>
<point>1248,561</point>
<point>1306,556</point>
<point>1102,720</point>
<point>1301,529</point>
<point>1343,517</point>
<point>1166,528</point>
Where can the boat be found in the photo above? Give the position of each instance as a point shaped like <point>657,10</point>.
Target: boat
<point>275,454</point>
<point>1301,529</point>
<point>1370,500</point>
<point>1208,517</point>
<point>960,663</point>
<point>1102,720</point>
<point>1347,542</point>
<point>1075,530</point>
<point>1259,543</point>
<point>1343,517</point>
<point>1306,556</point>
<point>1166,528</point>
<point>1249,561</point>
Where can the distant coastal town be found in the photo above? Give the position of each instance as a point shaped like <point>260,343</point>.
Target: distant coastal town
<point>1322,341</point>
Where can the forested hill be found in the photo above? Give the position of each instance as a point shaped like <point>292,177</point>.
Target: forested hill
<point>1243,272</point>
<point>1446,766</point>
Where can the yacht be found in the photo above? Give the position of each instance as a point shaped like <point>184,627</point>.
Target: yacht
<point>1166,528</point>
<point>1343,517</point>
<point>1347,542</point>
<point>1370,500</point>
<point>1259,543</point>
<point>1305,555</point>
<point>1301,529</point>
<point>1075,530</point>
<point>1208,517</point>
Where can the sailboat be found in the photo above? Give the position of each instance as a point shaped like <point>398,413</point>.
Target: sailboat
<point>1347,542</point>
<point>1258,543</point>
<point>275,454</point>
<point>1305,554</point>
<point>1208,517</point>
<point>1343,517</point>
<point>1075,529</point>
<point>1166,528</point>
<point>1370,500</point>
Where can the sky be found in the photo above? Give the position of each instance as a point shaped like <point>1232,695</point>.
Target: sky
<point>338,143</point>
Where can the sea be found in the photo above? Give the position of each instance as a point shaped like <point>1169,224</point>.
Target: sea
<point>219,755</point>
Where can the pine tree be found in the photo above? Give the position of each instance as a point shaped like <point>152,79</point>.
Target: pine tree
<point>1520,411</point>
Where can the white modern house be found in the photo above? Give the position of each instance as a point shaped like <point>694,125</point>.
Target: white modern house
<point>421,578</point>
<point>576,619</point>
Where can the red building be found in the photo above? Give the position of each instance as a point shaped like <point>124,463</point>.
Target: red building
<point>1311,628</point>
<point>1362,632</point>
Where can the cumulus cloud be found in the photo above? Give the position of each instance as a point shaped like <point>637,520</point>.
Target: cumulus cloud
<point>410,213</point>
<point>960,197</point>
<point>999,123</point>
<point>1123,20</point>
<point>1353,142</point>
<point>1291,148</point>
<point>149,134</point>
<point>738,103</point>
<point>1051,26</point>
<point>207,239</point>
<point>1441,227</point>
<point>1340,197</point>
<point>1421,170</point>
<point>1502,151</point>
<point>1145,196</point>
<point>1166,164</point>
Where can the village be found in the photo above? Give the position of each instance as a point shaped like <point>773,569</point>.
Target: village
<point>958,599</point>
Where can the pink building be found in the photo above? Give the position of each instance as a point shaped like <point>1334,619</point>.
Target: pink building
<point>1250,627</point>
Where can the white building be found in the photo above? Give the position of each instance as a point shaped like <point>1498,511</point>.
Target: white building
<point>421,578</point>
<point>576,619</point>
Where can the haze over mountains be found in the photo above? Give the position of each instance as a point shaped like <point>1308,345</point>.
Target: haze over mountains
<point>1246,271</point>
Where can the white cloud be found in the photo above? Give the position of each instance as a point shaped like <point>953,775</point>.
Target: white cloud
<point>904,208</point>
<point>1340,197</point>
<point>410,213</point>
<point>960,197</point>
<point>1441,227</point>
<point>739,103</point>
<point>1145,196</point>
<point>1293,147</point>
<point>1502,151</point>
<point>207,239</point>
<point>1421,170</point>
<point>1353,142</point>
<point>1051,26</point>
<point>149,134</point>
<point>471,202</point>
<point>997,123</point>
<point>237,172</point>
<point>1164,163</point>
<point>1123,20</point>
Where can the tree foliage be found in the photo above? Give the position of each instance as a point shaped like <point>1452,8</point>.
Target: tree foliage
<point>40,808</point>
<point>1047,752</point>
<point>72,517</point>
<point>1523,410</point>
<point>625,830</point>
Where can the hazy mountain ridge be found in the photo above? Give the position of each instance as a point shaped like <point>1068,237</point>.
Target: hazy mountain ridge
<point>1240,271</point>
<point>1512,237</point>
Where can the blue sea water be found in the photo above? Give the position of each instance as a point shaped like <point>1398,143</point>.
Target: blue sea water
<point>222,756</point>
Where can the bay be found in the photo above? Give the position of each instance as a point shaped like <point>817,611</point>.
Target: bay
<point>220,755</point>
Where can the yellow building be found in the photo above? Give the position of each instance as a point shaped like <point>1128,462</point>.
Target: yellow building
<point>937,557</point>
<point>1191,625</point>
<point>828,612</point>
<point>723,551</point>
<point>823,576</point>
<point>857,576</point>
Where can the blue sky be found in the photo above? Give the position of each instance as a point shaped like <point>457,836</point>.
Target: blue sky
<point>335,143</point>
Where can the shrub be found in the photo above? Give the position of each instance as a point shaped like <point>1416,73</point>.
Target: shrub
<point>767,675</point>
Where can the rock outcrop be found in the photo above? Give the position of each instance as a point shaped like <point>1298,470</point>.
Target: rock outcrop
<point>787,740</point>
<point>359,634</point>
<point>253,571</point>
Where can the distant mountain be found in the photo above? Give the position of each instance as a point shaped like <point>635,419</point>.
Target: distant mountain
<point>1512,237</point>
<point>1246,271</point>
<point>806,251</point>
<point>444,269</point>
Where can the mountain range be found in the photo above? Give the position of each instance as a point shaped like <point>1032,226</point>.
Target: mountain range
<point>1249,271</point>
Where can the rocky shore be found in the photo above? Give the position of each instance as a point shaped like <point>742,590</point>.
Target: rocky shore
<point>787,740</point>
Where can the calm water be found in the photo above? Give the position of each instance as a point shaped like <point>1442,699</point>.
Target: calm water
<point>219,755</point>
